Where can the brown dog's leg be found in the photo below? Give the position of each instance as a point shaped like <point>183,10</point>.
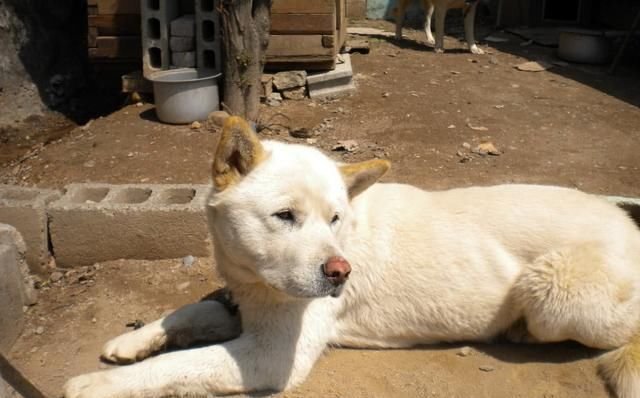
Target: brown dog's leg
<point>402,9</point>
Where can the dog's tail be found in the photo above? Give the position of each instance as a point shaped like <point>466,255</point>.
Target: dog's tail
<point>632,209</point>
<point>621,369</point>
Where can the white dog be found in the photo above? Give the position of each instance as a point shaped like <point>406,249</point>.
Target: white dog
<point>316,254</point>
<point>441,7</point>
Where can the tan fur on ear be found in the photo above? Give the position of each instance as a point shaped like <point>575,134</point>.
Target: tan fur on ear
<point>360,176</point>
<point>239,151</point>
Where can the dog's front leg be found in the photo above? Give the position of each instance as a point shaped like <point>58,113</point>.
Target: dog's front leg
<point>469,22</point>
<point>428,7</point>
<point>441,15</point>
<point>206,321</point>
<point>275,353</point>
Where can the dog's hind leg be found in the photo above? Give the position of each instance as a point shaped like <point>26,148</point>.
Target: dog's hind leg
<point>584,293</point>
<point>206,321</point>
<point>469,28</point>
<point>400,12</point>
<point>441,14</point>
<point>428,10</point>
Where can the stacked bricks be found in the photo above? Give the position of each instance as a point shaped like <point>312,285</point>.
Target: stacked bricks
<point>25,209</point>
<point>182,41</point>
<point>180,34</point>
<point>101,222</point>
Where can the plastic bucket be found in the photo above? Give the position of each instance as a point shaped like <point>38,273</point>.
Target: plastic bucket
<point>185,95</point>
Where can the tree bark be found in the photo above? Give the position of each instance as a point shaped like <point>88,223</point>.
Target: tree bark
<point>245,27</point>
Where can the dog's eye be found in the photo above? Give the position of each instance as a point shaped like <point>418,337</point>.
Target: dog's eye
<point>335,219</point>
<point>286,215</point>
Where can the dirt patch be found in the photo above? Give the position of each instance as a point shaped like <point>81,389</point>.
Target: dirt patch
<point>571,125</point>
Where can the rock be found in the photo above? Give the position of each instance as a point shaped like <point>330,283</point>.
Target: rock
<point>195,125</point>
<point>476,128</point>
<point>486,148</point>
<point>56,276</point>
<point>464,352</point>
<point>218,117</point>
<point>345,146</point>
<point>183,286</point>
<point>385,95</point>
<point>188,261</point>
<point>39,330</point>
<point>295,93</point>
<point>275,99</point>
<point>289,79</point>
<point>487,368</point>
<point>534,66</point>
<point>493,60</point>
<point>301,132</point>
<point>466,145</point>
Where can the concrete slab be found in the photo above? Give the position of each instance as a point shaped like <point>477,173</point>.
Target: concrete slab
<point>333,83</point>
<point>100,222</point>
<point>24,208</point>
<point>11,294</point>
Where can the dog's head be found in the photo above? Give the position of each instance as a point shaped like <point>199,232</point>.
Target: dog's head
<point>280,214</point>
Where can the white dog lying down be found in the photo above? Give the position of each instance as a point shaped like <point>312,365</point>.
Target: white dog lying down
<point>316,253</point>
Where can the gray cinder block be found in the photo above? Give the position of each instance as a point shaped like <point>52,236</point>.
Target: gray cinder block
<point>100,222</point>
<point>156,16</point>
<point>333,83</point>
<point>12,294</point>
<point>208,35</point>
<point>183,59</point>
<point>24,208</point>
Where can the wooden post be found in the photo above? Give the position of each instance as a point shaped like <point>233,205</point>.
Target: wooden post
<point>245,27</point>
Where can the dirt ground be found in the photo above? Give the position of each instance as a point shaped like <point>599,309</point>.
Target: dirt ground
<point>572,125</point>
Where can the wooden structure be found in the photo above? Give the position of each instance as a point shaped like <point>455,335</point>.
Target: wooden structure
<point>113,33</point>
<point>305,34</point>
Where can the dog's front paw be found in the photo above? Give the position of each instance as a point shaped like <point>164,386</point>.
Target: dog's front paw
<point>92,385</point>
<point>132,346</point>
<point>476,50</point>
<point>438,50</point>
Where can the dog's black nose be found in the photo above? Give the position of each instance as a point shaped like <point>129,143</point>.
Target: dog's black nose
<point>337,270</point>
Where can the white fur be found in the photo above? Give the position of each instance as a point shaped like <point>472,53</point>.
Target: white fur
<point>464,264</point>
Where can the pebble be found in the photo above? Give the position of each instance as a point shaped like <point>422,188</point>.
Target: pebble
<point>39,330</point>
<point>56,276</point>
<point>188,261</point>
<point>487,368</point>
<point>196,125</point>
<point>464,352</point>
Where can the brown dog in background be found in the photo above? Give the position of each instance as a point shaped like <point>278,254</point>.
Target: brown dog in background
<point>440,7</point>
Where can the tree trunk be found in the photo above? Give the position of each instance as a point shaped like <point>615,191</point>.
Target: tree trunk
<point>245,26</point>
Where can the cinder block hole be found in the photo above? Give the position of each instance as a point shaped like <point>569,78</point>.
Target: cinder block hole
<point>177,196</point>
<point>153,28</point>
<point>18,194</point>
<point>88,195</point>
<point>155,57</point>
<point>153,4</point>
<point>206,5</point>
<point>132,195</point>
<point>209,59</point>
<point>208,31</point>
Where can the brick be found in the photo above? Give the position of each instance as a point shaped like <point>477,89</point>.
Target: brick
<point>290,79</point>
<point>182,44</point>
<point>11,294</point>
<point>334,83</point>
<point>183,59</point>
<point>24,208</point>
<point>101,222</point>
<point>184,26</point>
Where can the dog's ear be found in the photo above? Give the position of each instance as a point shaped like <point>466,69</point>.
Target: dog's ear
<point>239,151</point>
<point>360,176</point>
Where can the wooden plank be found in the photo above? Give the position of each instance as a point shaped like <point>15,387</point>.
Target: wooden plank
<point>297,46</point>
<point>115,25</point>
<point>92,10</point>
<point>92,2</point>
<point>303,7</point>
<point>303,23</point>
<point>117,47</point>
<point>119,6</point>
<point>92,35</point>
